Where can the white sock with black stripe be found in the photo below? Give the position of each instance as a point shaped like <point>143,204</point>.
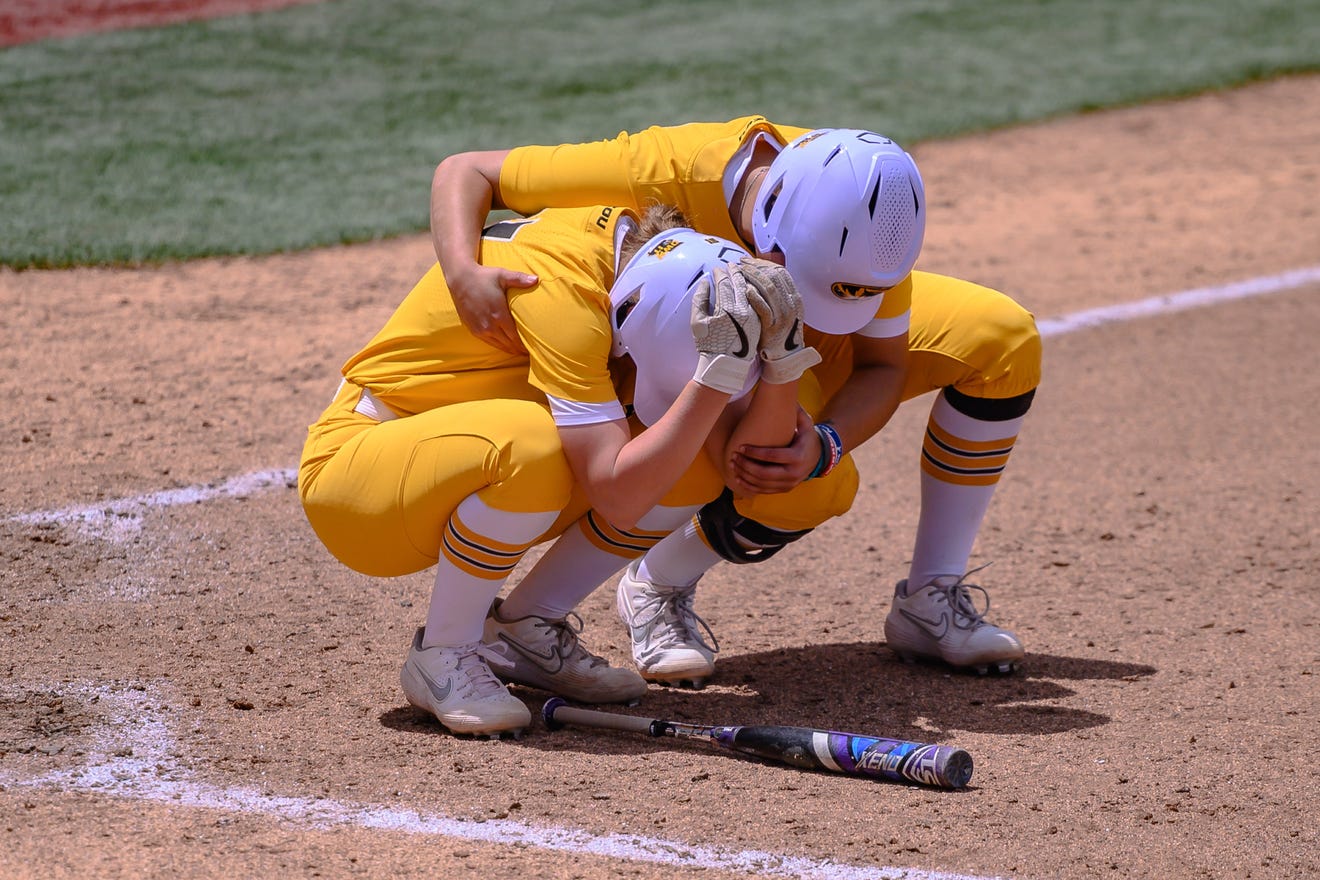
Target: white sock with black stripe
<point>681,559</point>
<point>584,557</point>
<point>481,546</point>
<point>962,460</point>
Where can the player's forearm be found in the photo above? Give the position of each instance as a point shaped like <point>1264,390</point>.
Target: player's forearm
<point>462,195</point>
<point>865,403</point>
<point>770,420</point>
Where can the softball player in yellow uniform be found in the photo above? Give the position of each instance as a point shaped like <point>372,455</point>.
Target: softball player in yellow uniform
<point>439,450</point>
<point>844,210</point>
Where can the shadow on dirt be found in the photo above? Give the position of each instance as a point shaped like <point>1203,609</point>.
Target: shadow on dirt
<point>859,688</point>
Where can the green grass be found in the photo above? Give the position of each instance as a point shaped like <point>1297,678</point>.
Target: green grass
<point>322,124</point>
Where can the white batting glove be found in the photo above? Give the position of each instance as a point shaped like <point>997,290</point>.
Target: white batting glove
<point>778,305</point>
<point>726,331</point>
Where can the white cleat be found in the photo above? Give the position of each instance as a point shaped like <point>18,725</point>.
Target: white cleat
<point>939,621</point>
<point>457,686</point>
<point>666,643</point>
<point>548,654</point>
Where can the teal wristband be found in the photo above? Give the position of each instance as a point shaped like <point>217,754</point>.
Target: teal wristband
<point>831,450</point>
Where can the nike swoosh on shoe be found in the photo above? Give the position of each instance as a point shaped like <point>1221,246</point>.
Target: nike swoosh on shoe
<point>929,625</point>
<point>541,660</point>
<point>440,693</point>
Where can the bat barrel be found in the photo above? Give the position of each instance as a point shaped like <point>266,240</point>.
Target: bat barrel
<point>853,753</point>
<point>808,748</point>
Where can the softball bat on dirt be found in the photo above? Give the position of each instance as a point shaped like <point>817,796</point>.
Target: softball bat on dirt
<point>807,748</point>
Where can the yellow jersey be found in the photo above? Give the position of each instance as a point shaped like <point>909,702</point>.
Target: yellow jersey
<point>425,358</point>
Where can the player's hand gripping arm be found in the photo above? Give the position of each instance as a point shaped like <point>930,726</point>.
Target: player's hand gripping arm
<point>463,191</point>
<point>624,476</point>
<point>770,417</point>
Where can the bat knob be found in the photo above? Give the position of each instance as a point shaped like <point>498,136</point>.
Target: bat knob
<point>548,712</point>
<point>958,769</point>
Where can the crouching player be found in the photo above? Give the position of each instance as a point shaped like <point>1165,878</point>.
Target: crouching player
<point>441,451</point>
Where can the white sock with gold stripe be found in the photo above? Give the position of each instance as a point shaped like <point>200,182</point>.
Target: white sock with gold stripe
<point>588,553</point>
<point>481,545</point>
<point>962,459</point>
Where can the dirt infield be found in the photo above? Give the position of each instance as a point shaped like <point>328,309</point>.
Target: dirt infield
<point>191,685</point>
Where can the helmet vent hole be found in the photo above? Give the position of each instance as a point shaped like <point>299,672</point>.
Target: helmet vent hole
<point>623,309</point>
<point>843,240</point>
<point>836,151</point>
<point>771,199</point>
<point>875,195</point>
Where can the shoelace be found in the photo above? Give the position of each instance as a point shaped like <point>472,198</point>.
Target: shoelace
<point>476,679</point>
<point>567,644</point>
<point>671,609</point>
<point>959,596</point>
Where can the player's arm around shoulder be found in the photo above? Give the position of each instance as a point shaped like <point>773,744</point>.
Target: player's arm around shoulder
<point>464,189</point>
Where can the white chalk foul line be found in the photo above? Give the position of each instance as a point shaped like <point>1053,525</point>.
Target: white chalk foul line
<point>117,520</point>
<point>1178,302</point>
<point>134,756</point>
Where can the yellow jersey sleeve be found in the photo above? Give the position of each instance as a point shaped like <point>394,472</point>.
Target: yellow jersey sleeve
<point>565,326</point>
<point>564,319</point>
<point>893,313</point>
<point>680,165</point>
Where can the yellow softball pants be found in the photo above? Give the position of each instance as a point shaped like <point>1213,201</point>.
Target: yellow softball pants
<point>378,494</point>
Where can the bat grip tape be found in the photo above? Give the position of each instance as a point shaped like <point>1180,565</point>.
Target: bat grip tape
<point>560,713</point>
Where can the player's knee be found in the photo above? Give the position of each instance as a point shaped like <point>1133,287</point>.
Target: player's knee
<point>837,491</point>
<point>1025,345</point>
<point>737,538</point>
<point>1007,358</point>
<point>808,504</point>
<point>1004,319</point>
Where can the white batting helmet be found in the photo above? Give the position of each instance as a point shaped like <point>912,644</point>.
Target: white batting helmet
<point>847,208</point>
<point>651,313</point>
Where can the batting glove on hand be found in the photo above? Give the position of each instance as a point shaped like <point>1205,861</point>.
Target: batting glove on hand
<point>726,331</point>
<point>778,305</point>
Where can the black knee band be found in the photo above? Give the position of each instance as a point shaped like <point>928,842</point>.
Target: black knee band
<point>723,525</point>
<point>990,409</point>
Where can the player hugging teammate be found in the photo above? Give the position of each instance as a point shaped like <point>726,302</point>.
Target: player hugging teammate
<point>846,333</point>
